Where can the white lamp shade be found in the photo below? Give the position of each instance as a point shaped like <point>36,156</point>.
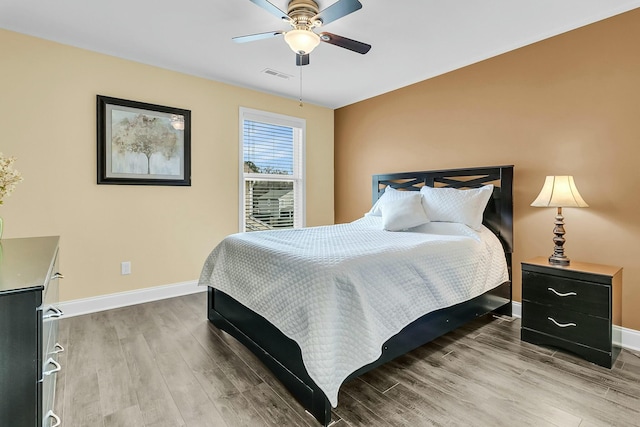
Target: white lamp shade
<point>302,41</point>
<point>559,192</point>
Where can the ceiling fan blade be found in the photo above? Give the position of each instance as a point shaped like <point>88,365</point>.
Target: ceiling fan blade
<point>274,10</point>
<point>346,43</point>
<point>259,36</point>
<point>302,59</point>
<point>337,10</point>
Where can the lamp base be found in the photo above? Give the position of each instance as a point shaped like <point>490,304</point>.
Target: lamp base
<point>558,257</point>
<point>559,260</point>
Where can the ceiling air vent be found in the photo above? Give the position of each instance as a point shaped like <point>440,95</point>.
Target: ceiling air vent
<point>275,73</point>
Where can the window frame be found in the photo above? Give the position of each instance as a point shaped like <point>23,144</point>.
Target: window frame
<point>299,163</point>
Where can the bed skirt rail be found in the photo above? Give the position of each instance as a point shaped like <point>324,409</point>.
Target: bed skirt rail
<point>437,323</point>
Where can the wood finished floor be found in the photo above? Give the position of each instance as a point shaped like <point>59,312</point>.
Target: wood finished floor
<point>164,364</point>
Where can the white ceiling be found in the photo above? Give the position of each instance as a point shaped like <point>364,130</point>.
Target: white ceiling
<point>412,40</point>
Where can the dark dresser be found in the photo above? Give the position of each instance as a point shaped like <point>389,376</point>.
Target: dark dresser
<point>573,308</point>
<point>28,331</point>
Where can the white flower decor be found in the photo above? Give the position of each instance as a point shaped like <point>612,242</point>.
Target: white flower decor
<point>9,177</point>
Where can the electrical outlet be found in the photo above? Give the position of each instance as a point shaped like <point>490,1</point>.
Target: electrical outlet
<point>125,267</point>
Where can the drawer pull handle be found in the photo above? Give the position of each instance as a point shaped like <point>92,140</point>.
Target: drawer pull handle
<point>568,294</point>
<point>57,276</point>
<point>56,313</point>
<point>561,325</point>
<point>56,418</point>
<point>54,370</point>
<point>57,349</point>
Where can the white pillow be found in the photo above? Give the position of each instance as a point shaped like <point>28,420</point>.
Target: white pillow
<point>401,214</point>
<point>453,205</point>
<point>390,193</point>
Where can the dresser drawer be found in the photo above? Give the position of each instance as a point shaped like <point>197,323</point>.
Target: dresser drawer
<point>51,313</point>
<point>51,288</point>
<point>50,319</point>
<point>50,347</point>
<point>567,324</point>
<point>48,392</point>
<point>50,372</point>
<point>45,346</point>
<point>564,293</point>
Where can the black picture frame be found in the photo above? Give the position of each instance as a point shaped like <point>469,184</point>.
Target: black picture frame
<point>142,144</point>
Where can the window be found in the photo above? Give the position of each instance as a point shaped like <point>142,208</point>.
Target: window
<point>272,171</point>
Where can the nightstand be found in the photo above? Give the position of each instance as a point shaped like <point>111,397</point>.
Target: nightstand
<point>573,308</point>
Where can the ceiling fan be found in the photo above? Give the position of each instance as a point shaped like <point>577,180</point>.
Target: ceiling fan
<point>304,16</point>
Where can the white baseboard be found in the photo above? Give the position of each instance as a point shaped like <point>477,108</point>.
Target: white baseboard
<point>630,337</point>
<point>123,299</point>
<point>516,308</point>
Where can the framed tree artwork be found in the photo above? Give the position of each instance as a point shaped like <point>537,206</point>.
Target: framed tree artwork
<point>143,144</point>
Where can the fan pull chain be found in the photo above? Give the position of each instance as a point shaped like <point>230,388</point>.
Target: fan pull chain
<point>301,105</point>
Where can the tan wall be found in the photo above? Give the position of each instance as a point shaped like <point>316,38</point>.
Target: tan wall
<point>567,105</point>
<point>48,120</point>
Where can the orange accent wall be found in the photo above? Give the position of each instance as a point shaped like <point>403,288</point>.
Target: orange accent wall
<point>569,105</point>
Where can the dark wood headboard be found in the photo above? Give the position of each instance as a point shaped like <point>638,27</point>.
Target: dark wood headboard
<point>498,216</point>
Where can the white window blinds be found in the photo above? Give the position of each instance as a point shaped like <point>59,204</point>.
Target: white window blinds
<point>268,149</point>
<point>272,190</point>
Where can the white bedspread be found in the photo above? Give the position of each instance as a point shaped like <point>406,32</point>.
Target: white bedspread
<point>341,291</point>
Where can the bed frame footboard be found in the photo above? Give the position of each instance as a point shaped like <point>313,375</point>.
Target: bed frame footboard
<point>280,354</point>
<point>284,358</point>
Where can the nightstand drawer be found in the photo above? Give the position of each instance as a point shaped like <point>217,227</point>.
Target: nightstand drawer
<point>566,324</point>
<point>561,292</point>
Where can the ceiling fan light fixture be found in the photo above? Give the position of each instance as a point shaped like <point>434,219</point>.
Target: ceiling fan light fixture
<point>302,41</point>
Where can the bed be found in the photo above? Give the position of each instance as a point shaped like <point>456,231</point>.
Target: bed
<point>286,357</point>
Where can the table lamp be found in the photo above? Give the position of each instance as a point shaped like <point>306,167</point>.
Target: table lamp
<point>559,192</point>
